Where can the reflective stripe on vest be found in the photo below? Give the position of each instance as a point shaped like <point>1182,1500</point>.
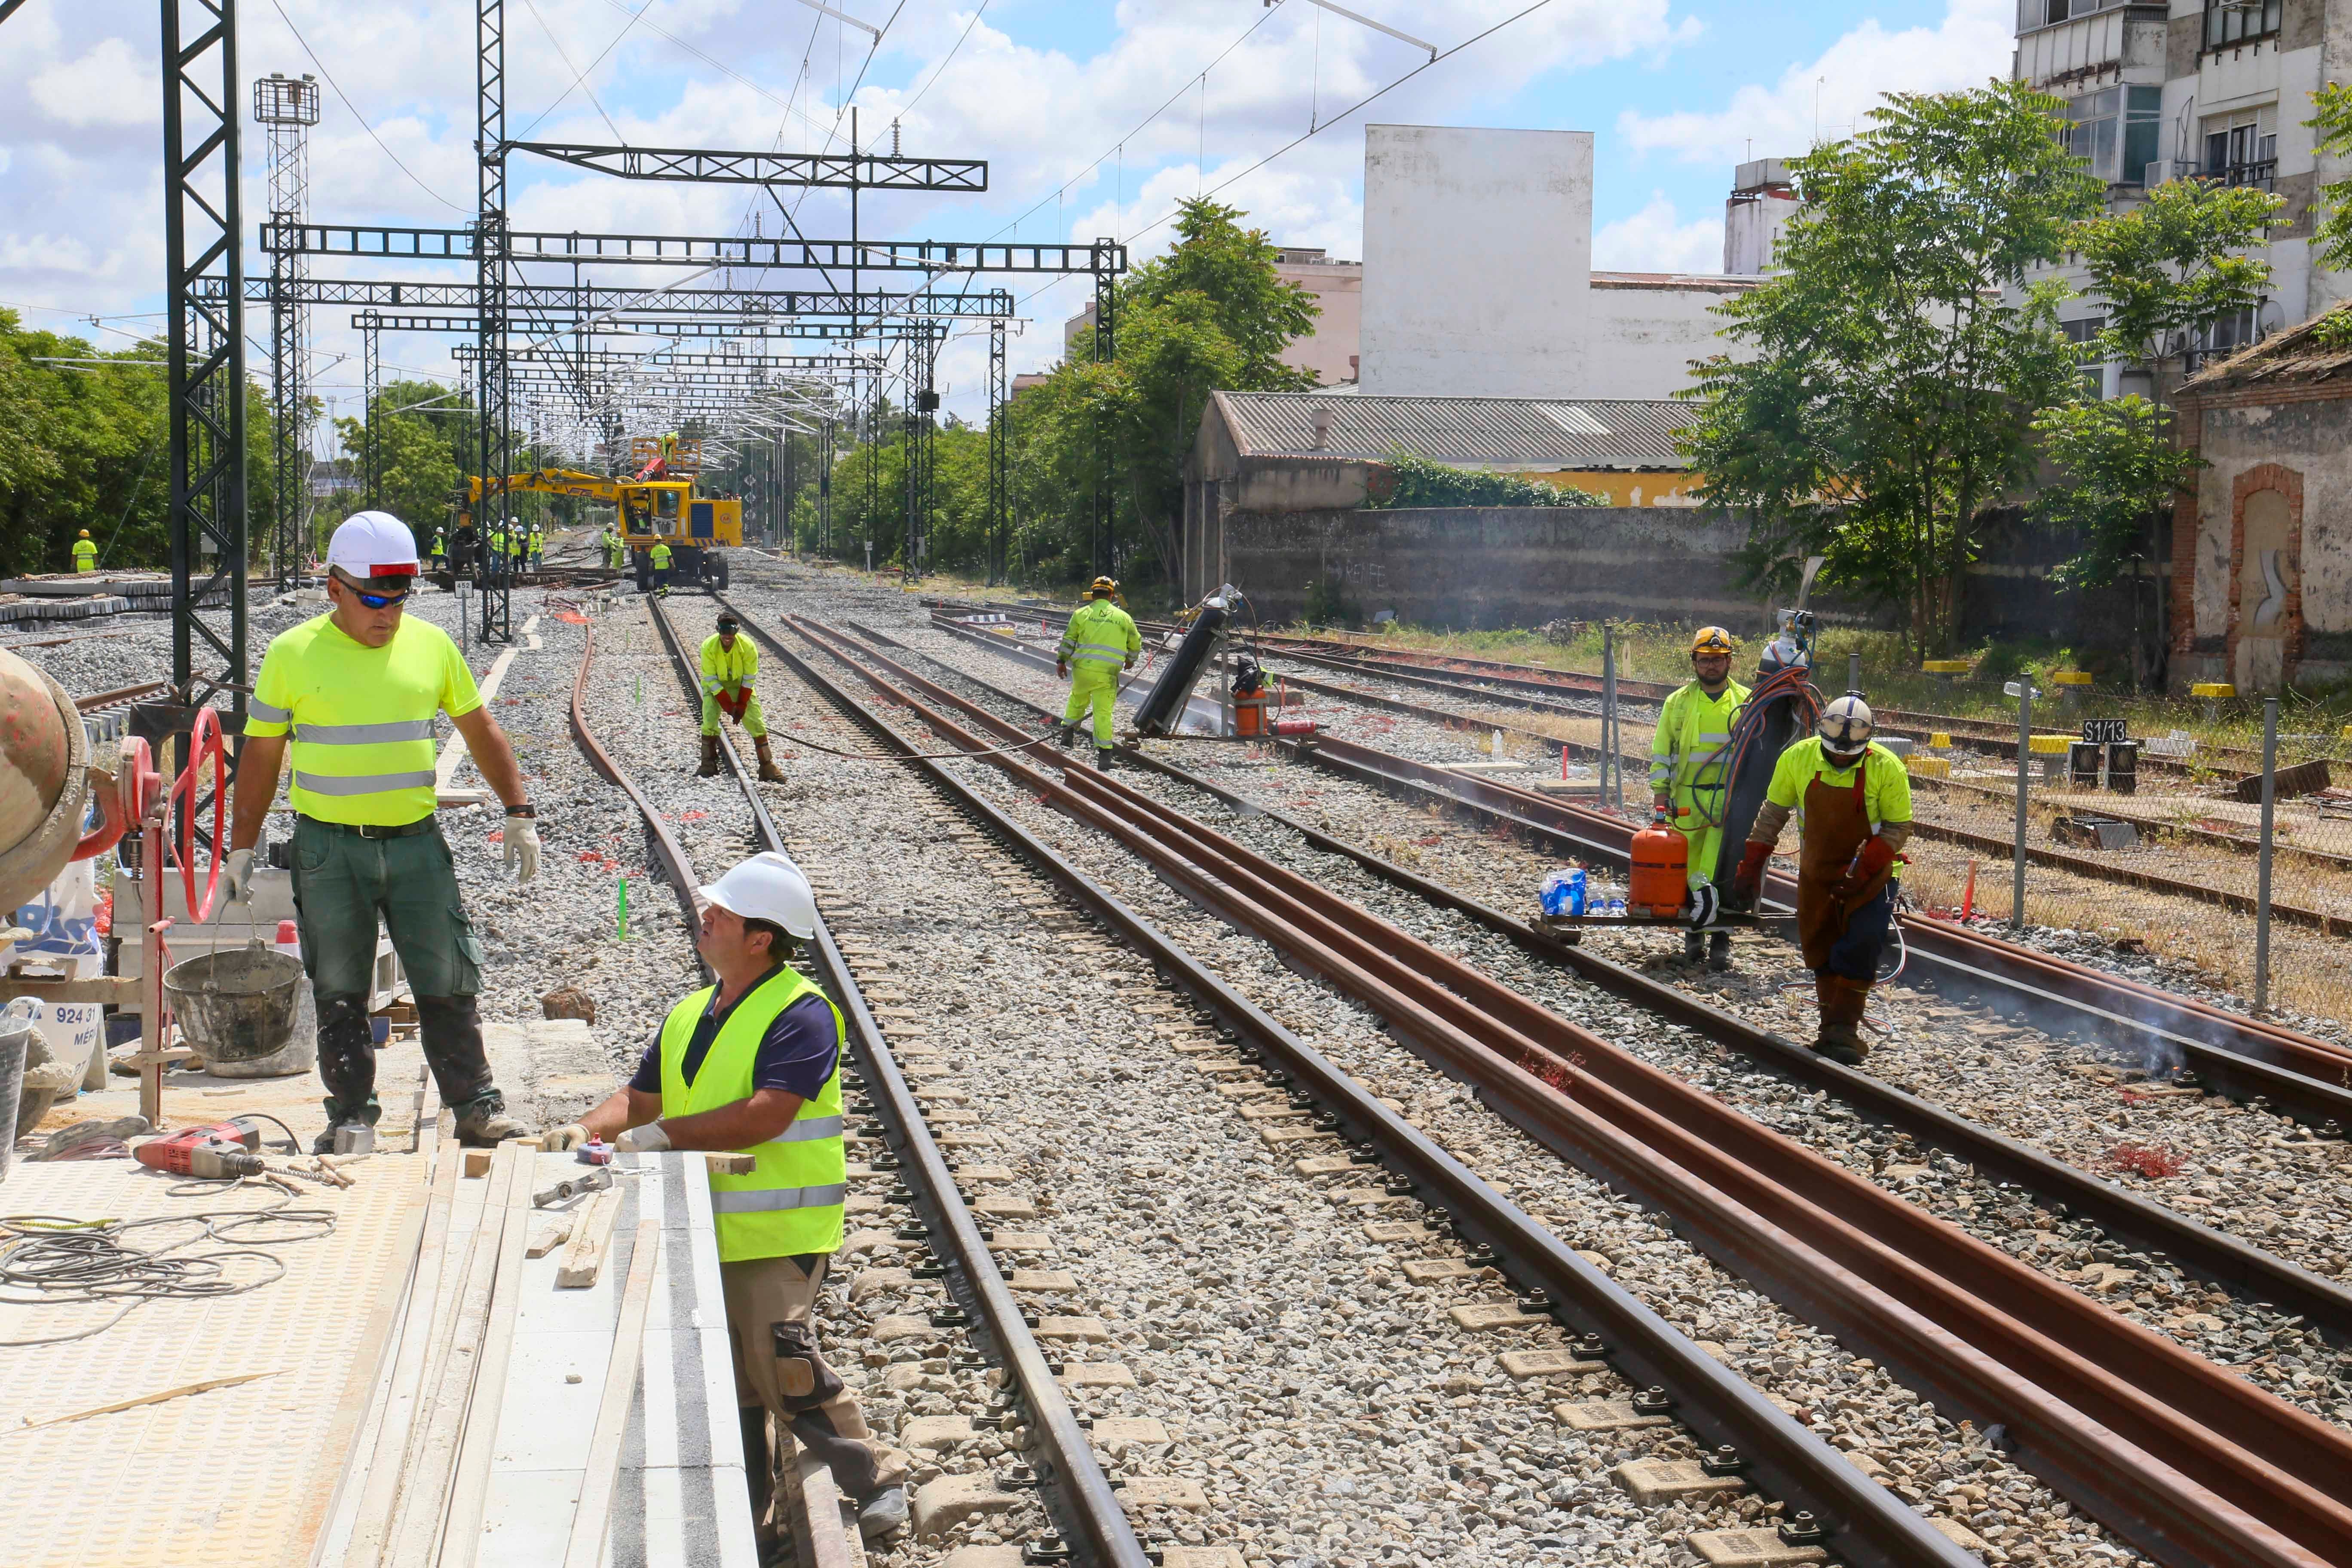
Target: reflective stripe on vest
<point>792,1200</point>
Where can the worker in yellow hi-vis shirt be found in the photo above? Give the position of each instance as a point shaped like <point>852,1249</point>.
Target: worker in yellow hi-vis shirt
<point>1101,640</point>
<point>85,553</point>
<point>1686,769</point>
<point>352,695</point>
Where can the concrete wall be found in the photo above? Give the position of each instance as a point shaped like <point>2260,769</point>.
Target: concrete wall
<point>1477,252</point>
<point>1332,350</point>
<point>1646,331</point>
<point>2262,558</point>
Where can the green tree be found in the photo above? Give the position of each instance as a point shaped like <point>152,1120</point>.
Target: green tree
<point>2121,470</point>
<point>425,450</point>
<point>1889,376</point>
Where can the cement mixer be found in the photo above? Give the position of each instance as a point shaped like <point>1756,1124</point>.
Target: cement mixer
<point>47,781</point>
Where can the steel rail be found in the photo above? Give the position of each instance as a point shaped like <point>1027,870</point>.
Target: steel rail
<point>1091,1511</point>
<point>2243,1057</point>
<point>2122,1212</point>
<point>120,694</point>
<point>2120,1417</point>
<point>1864,1523</point>
<point>676,868</point>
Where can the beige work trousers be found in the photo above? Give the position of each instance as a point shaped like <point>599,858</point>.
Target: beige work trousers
<point>771,1307</point>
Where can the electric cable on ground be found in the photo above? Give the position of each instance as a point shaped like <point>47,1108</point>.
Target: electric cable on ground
<point>62,1262</point>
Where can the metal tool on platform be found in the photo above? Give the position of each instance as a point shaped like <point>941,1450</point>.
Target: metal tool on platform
<point>572,1188</point>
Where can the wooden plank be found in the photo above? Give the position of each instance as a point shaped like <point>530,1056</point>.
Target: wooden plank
<point>468,1491</point>
<point>592,1519</point>
<point>584,1257</point>
<point>550,1236</point>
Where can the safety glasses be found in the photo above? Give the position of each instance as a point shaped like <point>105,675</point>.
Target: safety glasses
<point>378,601</point>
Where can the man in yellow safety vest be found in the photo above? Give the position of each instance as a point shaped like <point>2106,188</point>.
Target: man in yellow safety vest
<point>1687,766</point>
<point>658,558</point>
<point>352,695</point>
<point>752,1065</point>
<point>85,553</point>
<point>729,660</point>
<point>1101,640</point>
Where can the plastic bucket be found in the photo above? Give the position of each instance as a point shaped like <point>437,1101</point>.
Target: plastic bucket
<point>237,1005</point>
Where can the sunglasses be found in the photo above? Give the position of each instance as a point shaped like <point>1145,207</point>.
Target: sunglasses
<point>377,601</point>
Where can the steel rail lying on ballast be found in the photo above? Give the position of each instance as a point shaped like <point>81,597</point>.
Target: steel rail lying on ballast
<point>1863,1523</point>
<point>2124,1212</point>
<point>1089,1511</point>
<point>2192,1463</point>
<point>2233,1055</point>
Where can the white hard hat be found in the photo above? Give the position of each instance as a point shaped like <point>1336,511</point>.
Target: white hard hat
<point>767,887</point>
<point>372,544</point>
<point>1846,728</point>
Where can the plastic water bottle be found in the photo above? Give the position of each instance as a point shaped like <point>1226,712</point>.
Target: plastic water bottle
<point>1563,892</point>
<point>1615,908</point>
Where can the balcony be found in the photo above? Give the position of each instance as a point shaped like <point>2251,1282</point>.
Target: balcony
<point>2262,174</point>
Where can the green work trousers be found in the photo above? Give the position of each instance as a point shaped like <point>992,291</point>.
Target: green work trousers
<point>755,723</point>
<point>1093,685</point>
<point>1703,840</point>
<point>344,885</point>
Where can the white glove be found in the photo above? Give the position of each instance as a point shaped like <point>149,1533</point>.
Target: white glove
<point>646,1139</point>
<point>522,847</point>
<point>562,1140</point>
<point>237,876</point>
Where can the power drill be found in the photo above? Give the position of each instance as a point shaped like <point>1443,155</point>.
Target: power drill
<point>218,1150</point>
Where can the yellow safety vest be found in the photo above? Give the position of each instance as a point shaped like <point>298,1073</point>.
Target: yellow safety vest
<point>361,718</point>
<point>1692,729</point>
<point>85,555</point>
<point>1100,635</point>
<point>792,1201</point>
<point>660,552</point>
<point>728,668</point>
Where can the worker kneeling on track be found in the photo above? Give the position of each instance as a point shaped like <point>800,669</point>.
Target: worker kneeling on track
<point>1686,769</point>
<point>729,660</point>
<point>1101,640</point>
<point>1852,797</point>
<point>753,1065</point>
<point>353,694</point>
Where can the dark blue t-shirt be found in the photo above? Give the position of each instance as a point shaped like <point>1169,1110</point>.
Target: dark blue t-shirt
<point>796,1054</point>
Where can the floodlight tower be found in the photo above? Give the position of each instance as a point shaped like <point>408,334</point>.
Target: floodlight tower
<point>289,108</point>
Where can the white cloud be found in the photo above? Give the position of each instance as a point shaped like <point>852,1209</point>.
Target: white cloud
<point>1656,239</point>
<point>1837,91</point>
<point>105,87</point>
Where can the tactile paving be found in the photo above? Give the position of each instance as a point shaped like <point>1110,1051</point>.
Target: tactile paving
<point>239,1474</point>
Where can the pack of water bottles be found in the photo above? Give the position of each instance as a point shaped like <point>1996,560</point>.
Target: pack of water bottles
<point>1569,892</point>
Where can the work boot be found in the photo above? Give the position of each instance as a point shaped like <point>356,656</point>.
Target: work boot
<point>1103,755</point>
<point>1693,947</point>
<point>483,1122</point>
<point>883,1512</point>
<point>768,774</point>
<point>1069,736</point>
<point>324,1143</point>
<point>1718,950</point>
<point>1840,1002</point>
<point>709,768</point>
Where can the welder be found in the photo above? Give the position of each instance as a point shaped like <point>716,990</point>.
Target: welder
<point>1852,797</point>
<point>1687,766</point>
<point>1100,640</point>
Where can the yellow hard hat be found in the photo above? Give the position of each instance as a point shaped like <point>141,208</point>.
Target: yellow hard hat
<point>1104,586</point>
<point>1711,639</point>
<point>85,533</point>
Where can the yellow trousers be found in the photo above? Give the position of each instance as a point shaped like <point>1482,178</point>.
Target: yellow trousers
<point>1095,686</point>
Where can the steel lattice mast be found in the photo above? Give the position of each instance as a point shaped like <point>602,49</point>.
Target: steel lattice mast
<point>288,107</point>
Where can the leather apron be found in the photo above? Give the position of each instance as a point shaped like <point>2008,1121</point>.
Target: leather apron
<point>1836,823</point>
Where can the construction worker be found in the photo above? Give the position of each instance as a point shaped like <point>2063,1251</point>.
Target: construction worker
<point>1686,771</point>
<point>85,553</point>
<point>659,555</point>
<point>538,546</point>
<point>1852,801</point>
<point>729,660</point>
<point>357,690</point>
<point>440,548</point>
<point>752,1065</point>
<point>617,553</point>
<point>1101,640</point>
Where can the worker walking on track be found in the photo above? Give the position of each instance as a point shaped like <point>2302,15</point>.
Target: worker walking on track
<point>538,546</point>
<point>659,559</point>
<point>1101,640</point>
<point>729,660</point>
<point>85,553</point>
<point>1852,798</point>
<point>440,550</point>
<point>752,1065</point>
<point>1686,764</point>
<point>357,690</point>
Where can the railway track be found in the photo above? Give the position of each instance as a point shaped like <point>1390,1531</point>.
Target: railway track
<point>2247,1058</point>
<point>1517,1056</point>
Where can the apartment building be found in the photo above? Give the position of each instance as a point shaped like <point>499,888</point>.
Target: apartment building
<point>2218,88</point>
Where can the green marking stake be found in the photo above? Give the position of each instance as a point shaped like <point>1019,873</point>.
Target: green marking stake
<point>641,691</point>
<point>621,923</point>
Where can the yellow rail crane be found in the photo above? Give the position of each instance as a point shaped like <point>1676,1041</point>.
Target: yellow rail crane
<point>656,504</point>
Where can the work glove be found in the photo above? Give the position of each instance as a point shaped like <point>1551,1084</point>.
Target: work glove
<point>564,1139</point>
<point>1062,669</point>
<point>237,876</point>
<point>1749,880</point>
<point>522,848</point>
<point>646,1139</point>
<point>1875,856</point>
<point>1130,664</point>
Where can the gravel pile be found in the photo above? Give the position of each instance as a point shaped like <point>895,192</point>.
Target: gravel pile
<point>1165,1228</point>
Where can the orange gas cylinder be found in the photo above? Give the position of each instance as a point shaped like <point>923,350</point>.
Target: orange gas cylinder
<point>1661,870</point>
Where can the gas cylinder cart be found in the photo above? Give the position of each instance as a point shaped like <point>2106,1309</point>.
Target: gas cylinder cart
<point>1658,894</point>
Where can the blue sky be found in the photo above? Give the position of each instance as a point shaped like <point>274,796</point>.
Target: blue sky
<point>1051,91</point>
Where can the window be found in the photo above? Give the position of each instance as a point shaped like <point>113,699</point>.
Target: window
<point>2084,335</point>
<point>2117,131</point>
<point>2224,335</point>
<point>666,501</point>
<point>2241,149</point>
<point>2032,14</point>
<point>2095,117</point>
<point>2230,22</point>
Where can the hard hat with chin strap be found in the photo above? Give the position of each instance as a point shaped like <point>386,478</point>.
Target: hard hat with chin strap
<point>1711,639</point>
<point>1845,729</point>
